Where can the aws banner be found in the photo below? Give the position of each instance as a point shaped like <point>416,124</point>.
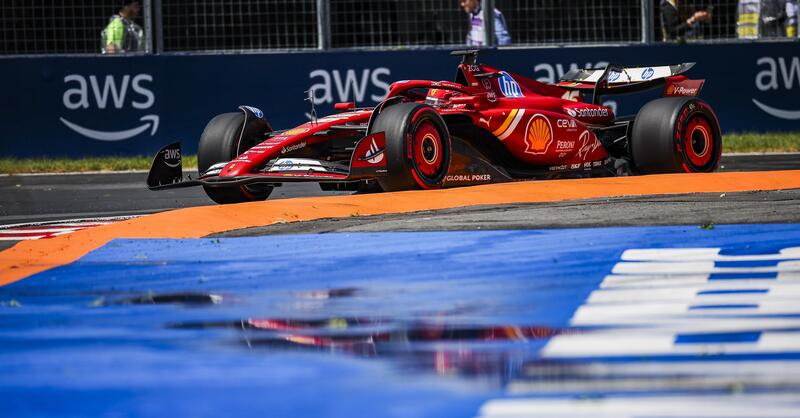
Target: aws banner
<point>111,105</point>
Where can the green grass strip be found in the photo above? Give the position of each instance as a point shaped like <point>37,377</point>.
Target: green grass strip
<point>761,142</point>
<point>65,165</point>
<point>734,142</point>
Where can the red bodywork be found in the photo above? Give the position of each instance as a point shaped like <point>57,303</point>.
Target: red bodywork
<point>501,127</point>
<point>533,120</point>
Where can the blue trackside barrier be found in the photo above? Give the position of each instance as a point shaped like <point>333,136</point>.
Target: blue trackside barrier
<point>78,106</point>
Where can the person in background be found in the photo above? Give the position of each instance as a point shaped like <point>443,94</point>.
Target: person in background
<point>762,18</point>
<point>122,34</point>
<point>791,18</point>
<point>673,27</point>
<point>476,35</point>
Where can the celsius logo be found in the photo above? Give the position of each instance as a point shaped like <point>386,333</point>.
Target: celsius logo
<point>647,73</point>
<point>780,74</point>
<point>81,94</point>
<point>509,86</point>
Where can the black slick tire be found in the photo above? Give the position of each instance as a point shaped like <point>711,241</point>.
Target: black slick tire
<point>418,147</point>
<point>222,140</point>
<point>676,135</point>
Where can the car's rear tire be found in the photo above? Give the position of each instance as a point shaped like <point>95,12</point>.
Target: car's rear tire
<point>223,139</point>
<point>676,135</point>
<point>418,147</point>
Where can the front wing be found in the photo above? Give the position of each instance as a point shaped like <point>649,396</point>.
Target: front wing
<point>368,161</point>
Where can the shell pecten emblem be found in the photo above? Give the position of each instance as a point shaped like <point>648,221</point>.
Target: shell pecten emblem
<point>538,135</point>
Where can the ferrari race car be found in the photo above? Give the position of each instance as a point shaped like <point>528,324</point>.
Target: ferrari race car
<point>487,126</point>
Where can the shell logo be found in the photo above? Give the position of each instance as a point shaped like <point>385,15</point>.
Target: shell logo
<point>539,135</point>
<point>670,89</point>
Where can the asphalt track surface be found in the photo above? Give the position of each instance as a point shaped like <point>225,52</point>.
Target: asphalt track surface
<point>36,198</point>
<point>701,209</point>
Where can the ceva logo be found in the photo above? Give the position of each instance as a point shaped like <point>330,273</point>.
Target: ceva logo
<point>778,74</point>
<point>109,91</point>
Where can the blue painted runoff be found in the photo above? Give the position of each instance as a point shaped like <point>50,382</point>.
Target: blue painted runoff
<point>427,324</point>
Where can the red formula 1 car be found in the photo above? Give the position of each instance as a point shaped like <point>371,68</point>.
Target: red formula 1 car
<point>487,126</point>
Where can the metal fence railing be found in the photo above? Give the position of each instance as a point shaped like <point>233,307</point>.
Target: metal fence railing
<point>396,24</point>
<point>241,25</point>
<point>45,27</point>
<point>559,22</point>
<point>83,26</point>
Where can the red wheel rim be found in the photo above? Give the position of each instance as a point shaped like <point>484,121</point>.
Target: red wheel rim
<point>428,152</point>
<point>698,141</point>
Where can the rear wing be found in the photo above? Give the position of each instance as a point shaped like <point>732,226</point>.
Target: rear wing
<point>616,79</point>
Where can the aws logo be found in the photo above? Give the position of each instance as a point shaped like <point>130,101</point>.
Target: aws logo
<point>172,157</point>
<point>97,92</point>
<point>538,135</point>
<point>778,74</point>
<point>349,85</point>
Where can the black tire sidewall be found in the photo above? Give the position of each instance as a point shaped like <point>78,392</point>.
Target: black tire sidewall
<point>398,122</point>
<point>656,138</point>
<point>693,108</point>
<point>222,140</point>
<point>219,140</point>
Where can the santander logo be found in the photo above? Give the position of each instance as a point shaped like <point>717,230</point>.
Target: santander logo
<point>100,93</point>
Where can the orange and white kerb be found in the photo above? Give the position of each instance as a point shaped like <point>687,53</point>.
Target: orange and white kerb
<point>507,127</point>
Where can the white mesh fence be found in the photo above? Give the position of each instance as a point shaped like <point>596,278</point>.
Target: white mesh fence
<point>559,22</point>
<point>48,26</point>
<point>239,25</point>
<point>727,20</point>
<point>397,23</point>
<point>74,26</point>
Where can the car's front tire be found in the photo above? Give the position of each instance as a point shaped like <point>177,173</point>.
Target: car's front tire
<point>224,138</point>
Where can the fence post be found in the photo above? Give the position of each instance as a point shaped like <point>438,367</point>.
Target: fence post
<point>487,10</point>
<point>148,26</point>
<point>158,27</point>
<point>323,24</point>
<point>647,21</point>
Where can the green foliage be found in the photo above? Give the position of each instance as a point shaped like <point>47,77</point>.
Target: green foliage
<point>761,142</point>
<point>66,165</point>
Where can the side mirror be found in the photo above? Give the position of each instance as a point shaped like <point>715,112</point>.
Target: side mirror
<point>345,106</point>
